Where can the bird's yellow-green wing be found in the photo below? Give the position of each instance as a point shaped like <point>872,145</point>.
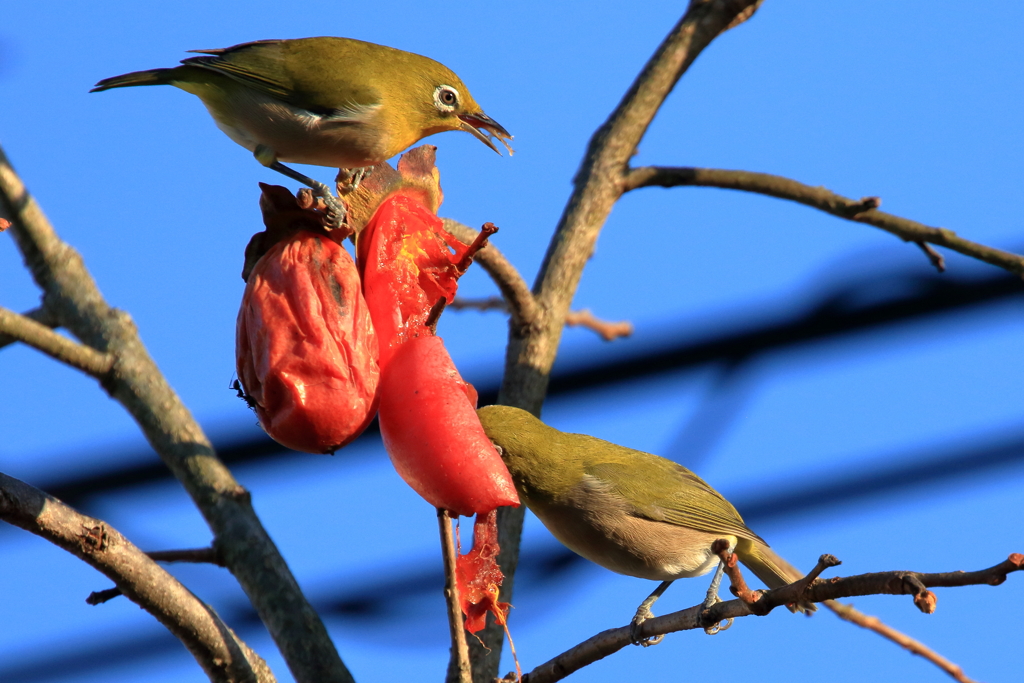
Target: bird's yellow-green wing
<point>328,76</point>
<point>672,494</point>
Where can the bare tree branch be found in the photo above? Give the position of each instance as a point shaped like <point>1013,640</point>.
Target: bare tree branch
<point>923,598</point>
<point>59,347</point>
<point>862,211</point>
<point>194,555</point>
<point>854,616</point>
<point>491,303</point>
<point>100,597</point>
<point>136,382</point>
<point>608,331</point>
<point>221,654</point>
<point>41,315</point>
<point>897,582</point>
<point>597,186</point>
<point>584,318</point>
<point>598,182</point>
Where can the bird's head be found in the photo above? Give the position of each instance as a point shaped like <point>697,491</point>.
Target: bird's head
<point>444,103</point>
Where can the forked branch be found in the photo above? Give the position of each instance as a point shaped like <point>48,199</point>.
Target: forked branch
<point>222,655</point>
<point>42,338</point>
<point>71,296</point>
<point>863,210</point>
<point>531,350</point>
<point>881,583</point>
<point>41,315</point>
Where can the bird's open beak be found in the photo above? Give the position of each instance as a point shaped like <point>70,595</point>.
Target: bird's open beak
<point>486,130</point>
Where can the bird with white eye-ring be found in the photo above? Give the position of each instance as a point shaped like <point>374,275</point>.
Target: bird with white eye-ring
<point>334,102</point>
<point>629,511</point>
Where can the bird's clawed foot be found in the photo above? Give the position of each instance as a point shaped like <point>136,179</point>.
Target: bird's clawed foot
<point>710,601</point>
<point>643,613</point>
<point>335,211</point>
<point>348,179</point>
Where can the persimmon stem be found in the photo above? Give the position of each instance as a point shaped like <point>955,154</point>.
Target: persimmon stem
<point>435,314</point>
<point>486,230</point>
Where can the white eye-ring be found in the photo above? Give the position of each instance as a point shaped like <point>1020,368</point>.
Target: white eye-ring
<point>446,98</point>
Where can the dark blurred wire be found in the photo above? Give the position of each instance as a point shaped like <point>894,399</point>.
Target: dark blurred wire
<point>835,314</point>
<point>62,662</point>
<point>721,405</point>
<point>378,600</point>
<point>906,472</point>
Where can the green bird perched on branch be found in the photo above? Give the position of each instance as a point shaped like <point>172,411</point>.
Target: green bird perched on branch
<point>629,511</point>
<point>333,102</point>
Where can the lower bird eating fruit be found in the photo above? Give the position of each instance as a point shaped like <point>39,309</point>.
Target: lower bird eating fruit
<point>326,101</point>
<point>632,512</point>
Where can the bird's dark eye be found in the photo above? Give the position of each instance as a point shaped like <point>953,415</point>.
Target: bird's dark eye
<point>446,98</point>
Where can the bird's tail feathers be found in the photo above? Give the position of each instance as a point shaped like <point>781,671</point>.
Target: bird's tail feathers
<point>774,571</point>
<point>150,77</point>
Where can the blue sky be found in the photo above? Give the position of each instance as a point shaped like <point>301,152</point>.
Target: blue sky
<point>918,103</point>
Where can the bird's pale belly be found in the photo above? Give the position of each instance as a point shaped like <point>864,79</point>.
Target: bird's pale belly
<point>297,136</point>
<point>611,537</point>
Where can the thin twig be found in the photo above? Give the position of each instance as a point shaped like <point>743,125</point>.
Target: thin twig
<point>222,655</point>
<point>934,257</point>
<point>486,230</point>
<point>824,562</point>
<point>854,616</point>
<point>41,315</point>
<point>738,585</point>
<point>861,211</point>
<point>608,642</point>
<point>248,551</point>
<point>491,303</point>
<point>608,331</point>
<point>924,599</point>
<point>517,294</point>
<point>194,555</point>
<point>57,346</point>
<point>100,597</point>
<point>458,666</point>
